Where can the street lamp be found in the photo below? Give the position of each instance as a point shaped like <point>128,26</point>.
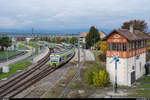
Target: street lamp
<point>79,54</point>
<point>115,58</point>
<point>32,44</point>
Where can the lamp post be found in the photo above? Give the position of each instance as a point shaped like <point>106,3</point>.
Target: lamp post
<point>32,44</point>
<point>115,58</point>
<point>79,55</point>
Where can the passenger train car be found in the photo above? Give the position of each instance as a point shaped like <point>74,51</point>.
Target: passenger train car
<point>59,58</point>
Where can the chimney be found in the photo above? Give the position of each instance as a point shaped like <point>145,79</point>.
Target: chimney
<point>131,28</point>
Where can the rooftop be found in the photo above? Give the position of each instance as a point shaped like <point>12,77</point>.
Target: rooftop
<point>136,35</point>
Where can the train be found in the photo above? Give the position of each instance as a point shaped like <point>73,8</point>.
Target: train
<point>59,58</point>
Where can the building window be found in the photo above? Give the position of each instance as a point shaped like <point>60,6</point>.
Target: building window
<point>116,46</point>
<point>133,47</point>
<point>140,66</point>
<point>124,46</point>
<point>108,46</point>
<point>132,67</point>
<point>144,43</point>
<point>129,45</point>
<point>140,44</point>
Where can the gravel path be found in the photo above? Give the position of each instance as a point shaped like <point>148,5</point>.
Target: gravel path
<point>88,55</point>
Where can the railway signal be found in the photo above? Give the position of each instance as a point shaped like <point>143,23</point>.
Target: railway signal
<point>115,58</point>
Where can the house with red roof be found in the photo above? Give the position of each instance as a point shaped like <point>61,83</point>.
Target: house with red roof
<point>84,34</point>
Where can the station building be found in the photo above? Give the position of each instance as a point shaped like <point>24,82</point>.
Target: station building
<point>131,46</point>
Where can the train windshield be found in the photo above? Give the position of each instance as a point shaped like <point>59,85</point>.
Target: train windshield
<point>54,59</point>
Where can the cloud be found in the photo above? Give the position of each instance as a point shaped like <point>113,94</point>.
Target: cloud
<point>71,14</point>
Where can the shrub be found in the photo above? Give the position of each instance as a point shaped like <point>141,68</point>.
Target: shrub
<point>100,78</point>
<point>88,75</point>
<point>102,57</point>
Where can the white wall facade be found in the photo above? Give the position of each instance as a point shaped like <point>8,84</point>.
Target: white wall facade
<point>125,67</point>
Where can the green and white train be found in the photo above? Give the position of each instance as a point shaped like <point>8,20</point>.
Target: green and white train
<point>60,58</point>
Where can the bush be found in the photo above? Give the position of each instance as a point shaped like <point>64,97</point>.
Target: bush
<point>88,75</point>
<point>96,76</point>
<point>100,78</point>
<point>102,57</point>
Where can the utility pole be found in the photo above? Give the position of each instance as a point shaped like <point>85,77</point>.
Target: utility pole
<point>79,54</point>
<point>32,44</point>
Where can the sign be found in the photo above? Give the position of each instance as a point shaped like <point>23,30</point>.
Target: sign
<point>116,36</point>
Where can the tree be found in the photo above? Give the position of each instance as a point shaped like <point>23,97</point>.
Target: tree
<point>97,45</point>
<point>58,40</point>
<point>140,25</point>
<point>73,40</point>
<point>103,47</point>
<point>92,37</point>
<point>63,39</point>
<point>5,42</point>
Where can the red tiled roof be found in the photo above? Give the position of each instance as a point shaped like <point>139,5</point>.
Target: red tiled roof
<point>84,34</point>
<point>136,35</point>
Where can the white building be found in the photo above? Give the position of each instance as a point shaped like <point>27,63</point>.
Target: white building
<point>131,46</point>
<point>84,34</point>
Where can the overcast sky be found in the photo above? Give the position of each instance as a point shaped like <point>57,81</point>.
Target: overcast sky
<point>71,14</point>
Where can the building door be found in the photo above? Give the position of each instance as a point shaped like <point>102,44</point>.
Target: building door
<point>132,77</point>
<point>146,69</point>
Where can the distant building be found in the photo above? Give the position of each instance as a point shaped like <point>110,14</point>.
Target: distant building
<point>82,37</point>
<point>148,34</point>
<point>131,45</point>
<point>84,34</point>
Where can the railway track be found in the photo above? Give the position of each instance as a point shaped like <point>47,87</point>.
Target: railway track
<point>26,79</point>
<point>11,85</point>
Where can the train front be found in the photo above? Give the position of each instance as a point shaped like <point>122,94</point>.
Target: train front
<point>54,60</point>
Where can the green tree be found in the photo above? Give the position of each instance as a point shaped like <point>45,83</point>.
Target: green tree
<point>73,40</point>
<point>63,39</point>
<point>92,37</point>
<point>5,42</point>
<point>140,25</point>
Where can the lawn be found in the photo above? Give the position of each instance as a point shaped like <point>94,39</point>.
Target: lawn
<point>14,67</point>
<point>3,54</point>
<point>35,45</point>
<point>22,47</point>
<point>140,90</point>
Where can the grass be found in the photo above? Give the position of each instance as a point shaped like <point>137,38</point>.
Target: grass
<point>141,90</point>
<point>14,67</point>
<point>23,47</point>
<point>34,45</point>
<point>141,93</point>
<point>82,85</point>
<point>144,82</point>
<point>3,54</point>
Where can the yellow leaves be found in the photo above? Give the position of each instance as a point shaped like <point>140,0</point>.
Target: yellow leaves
<point>103,46</point>
<point>100,78</point>
<point>58,39</point>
